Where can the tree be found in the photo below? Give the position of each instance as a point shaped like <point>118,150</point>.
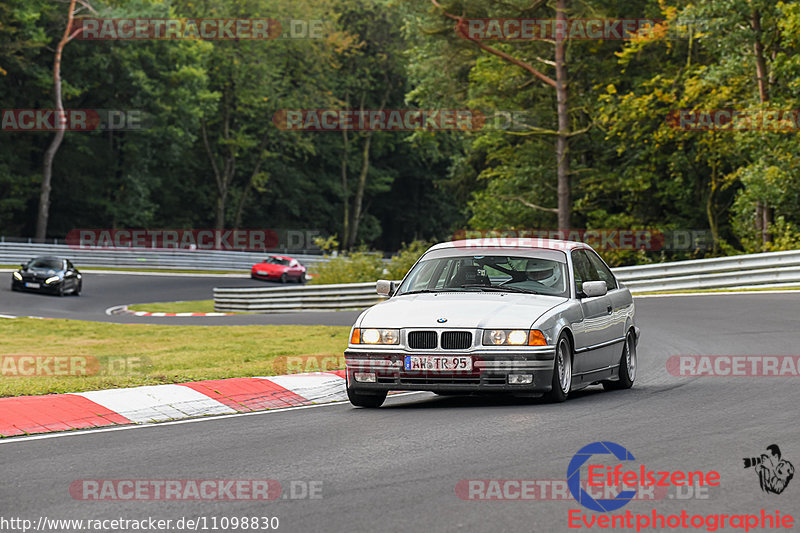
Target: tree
<point>50,153</point>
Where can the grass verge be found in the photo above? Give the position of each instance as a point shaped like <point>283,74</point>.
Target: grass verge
<point>196,306</point>
<point>128,355</point>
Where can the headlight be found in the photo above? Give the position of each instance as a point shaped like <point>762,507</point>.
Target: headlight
<point>513,337</point>
<point>52,279</point>
<point>17,276</point>
<point>375,336</point>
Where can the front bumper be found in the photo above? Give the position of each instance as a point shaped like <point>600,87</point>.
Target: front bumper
<point>489,373</point>
<point>267,276</point>
<point>43,287</point>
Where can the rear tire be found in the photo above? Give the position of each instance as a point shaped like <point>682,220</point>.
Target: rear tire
<point>359,399</point>
<point>77,290</point>
<point>627,366</point>
<point>562,371</point>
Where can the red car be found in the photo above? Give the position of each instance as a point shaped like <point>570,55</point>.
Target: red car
<point>279,268</point>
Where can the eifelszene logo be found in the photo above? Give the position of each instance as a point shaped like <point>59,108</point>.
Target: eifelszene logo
<point>774,473</point>
<point>600,475</point>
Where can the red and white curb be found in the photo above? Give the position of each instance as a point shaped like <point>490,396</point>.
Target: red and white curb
<point>123,310</point>
<point>27,415</point>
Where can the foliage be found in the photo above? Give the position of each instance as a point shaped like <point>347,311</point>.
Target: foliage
<point>355,267</point>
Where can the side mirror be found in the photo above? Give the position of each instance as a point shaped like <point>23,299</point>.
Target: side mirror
<point>385,287</point>
<point>592,289</point>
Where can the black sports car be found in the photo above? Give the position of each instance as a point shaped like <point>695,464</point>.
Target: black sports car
<point>48,274</point>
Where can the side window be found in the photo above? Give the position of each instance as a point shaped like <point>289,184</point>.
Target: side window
<point>584,271</point>
<point>602,271</point>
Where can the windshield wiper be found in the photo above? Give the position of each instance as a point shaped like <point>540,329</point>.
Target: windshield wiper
<point>420,291</point>
<point>503,288</point>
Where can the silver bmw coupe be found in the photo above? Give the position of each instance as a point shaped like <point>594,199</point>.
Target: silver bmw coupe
<point>521,316</point>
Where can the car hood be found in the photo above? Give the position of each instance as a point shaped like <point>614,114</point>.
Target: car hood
<point>462,310</point>
<point>270,266</point>
<point>42,271</point>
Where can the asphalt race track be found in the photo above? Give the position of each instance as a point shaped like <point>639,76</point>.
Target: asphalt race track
<point>102,291</point>
<point>396,468</point>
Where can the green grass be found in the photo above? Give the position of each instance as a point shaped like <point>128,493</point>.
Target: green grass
<point>158,354</point>
<point>197,306</point>
<point>695,291</point>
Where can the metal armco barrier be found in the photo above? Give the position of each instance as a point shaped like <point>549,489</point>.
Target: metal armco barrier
<point>17,253</point>
<point>776,269</point>
<point>288,299</point>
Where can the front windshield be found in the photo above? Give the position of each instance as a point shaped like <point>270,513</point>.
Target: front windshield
<point>488,273</point>
<point>50,264</point>
<point>277,261</point>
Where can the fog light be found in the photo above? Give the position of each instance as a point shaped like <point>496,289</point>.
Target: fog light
<point>520,379</point>
<point>365,377</point>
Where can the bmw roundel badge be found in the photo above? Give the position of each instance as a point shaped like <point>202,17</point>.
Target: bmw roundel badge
<point>441,320</point>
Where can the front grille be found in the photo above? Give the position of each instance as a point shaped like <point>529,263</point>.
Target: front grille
<point>443,380</point>
<point>422,340</point>
<point>456,340</point>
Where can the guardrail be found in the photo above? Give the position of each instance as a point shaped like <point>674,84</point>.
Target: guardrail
<point>17,253</point>
<point>288,299</point>
<point>775,269</point>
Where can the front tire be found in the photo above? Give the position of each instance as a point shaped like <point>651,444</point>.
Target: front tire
<point>359,399</point>
<point>562,371</point>
<point>283,278</point>
<point>627,366</point>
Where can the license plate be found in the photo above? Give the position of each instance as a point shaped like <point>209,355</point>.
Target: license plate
<point>261,273</point>
<point>439,362</point>
<point>32,285</point>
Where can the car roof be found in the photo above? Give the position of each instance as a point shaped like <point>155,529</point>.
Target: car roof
<point>513,242</point>
<point>48,257</point>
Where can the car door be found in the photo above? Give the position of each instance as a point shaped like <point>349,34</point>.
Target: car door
<point>621,303</point>
<point>597,326</point>
<point>294,268</point>
<point>69,275</point>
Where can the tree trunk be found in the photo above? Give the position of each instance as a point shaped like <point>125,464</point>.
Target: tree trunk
<point>762,209</point>
<point>362,182</point>
<point>345,193</point>
<point>50,153</point>
<point>562,141</point>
